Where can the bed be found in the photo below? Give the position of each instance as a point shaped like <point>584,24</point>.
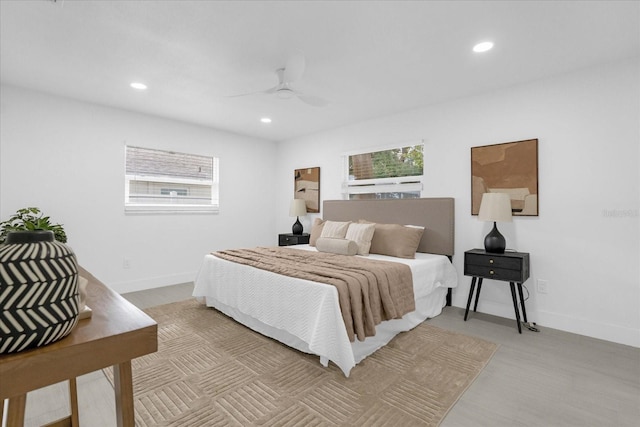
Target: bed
<point>309,319</point>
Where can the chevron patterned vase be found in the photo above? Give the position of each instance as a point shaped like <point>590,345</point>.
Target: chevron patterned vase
<point>38,290</point>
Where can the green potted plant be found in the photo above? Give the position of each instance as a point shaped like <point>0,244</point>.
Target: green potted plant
<point>39,291</point>
<point>31,219</point>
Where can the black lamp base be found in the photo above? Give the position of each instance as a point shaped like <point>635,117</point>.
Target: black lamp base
<point>495,242</point>
<point>297,227</point>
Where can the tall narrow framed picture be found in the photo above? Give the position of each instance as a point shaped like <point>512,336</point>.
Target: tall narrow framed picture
<point>306,185</point>
<point>511,168</point>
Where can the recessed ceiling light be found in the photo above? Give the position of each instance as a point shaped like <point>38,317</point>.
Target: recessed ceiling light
<point>265,120</point>
<point>483,47</point>
<point>138,86</point>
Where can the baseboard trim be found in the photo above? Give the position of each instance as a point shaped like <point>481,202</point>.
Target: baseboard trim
<point>152,282</point>
<point>587,327</point>
<point>604,331</point>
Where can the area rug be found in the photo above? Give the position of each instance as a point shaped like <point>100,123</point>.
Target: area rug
<point>211,371</point>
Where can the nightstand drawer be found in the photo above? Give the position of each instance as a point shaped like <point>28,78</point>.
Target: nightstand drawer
<point>509,266</point>
<point>289,239</point>
<point>487,272</point>
<point>494,261</point>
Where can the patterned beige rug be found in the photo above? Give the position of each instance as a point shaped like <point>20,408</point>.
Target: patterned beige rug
<point>211,371</point>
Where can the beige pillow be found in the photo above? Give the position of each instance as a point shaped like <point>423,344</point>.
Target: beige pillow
<point>362,235</point>
<point>396,240</point>
<point>316,230</point>
<point>337,246</point>
<point>335,229</point>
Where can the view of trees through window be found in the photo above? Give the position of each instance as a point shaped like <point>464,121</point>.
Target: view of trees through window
<point>405,161</point>
<point>376,174</point>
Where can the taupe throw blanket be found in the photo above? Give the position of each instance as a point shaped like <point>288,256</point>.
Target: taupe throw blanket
<point>369,291</point>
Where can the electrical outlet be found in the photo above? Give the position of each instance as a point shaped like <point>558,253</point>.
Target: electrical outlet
<point>126,263</point>
<point>543,286</point>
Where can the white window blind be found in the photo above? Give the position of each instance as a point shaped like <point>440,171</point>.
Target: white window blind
<point>166,181</point>
<point>391,173</point>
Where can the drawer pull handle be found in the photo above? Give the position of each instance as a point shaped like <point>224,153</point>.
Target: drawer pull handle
<point>490,261</point>
<point>490,271</point>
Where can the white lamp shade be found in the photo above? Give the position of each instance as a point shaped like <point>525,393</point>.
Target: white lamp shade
<point>298,208</point>
<point>495,207</point>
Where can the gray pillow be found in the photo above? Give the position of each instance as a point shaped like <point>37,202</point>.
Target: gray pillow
<point>337,246</point>
<point>396,240</point>
<point>316,231</point>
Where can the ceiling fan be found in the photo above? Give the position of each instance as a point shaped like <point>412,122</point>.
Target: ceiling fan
<point>291,73</point>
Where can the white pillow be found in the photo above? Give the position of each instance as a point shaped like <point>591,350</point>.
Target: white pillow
<point>362,235</point>
<point>335,229</point>
<point>337,246</point>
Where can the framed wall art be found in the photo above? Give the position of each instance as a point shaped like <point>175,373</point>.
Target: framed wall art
<point>306,185</point>
<point>510,168</point>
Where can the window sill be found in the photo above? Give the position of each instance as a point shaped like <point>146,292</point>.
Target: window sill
<point>160,209</point>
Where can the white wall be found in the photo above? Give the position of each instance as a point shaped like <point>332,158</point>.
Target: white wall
<point>67,158</point>
<point>587,124</point>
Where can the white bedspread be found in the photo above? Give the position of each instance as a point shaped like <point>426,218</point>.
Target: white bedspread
<point>306,315</point>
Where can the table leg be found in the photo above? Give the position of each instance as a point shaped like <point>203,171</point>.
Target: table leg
<point>15,410</point>
<point>73,397</point>
<point>515,305</point>
<point>473,285</point>
<point>123,381</point>
<point>524,312</point>
<point>475,305</point>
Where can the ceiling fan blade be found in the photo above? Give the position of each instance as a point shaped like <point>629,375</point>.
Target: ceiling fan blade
<point>270,90</point>
<point>294,69</point>
<point>316,101</point>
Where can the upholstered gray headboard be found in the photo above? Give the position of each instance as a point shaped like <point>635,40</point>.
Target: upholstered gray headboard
<point>436,215</point>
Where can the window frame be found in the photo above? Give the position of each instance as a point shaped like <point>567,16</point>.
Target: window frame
<point>141,208</point>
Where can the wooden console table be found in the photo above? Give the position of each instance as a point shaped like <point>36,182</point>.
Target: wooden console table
<point>116,332</point>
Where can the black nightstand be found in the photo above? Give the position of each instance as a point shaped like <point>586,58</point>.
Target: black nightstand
<point>512,267</point>
<point>289,239</point>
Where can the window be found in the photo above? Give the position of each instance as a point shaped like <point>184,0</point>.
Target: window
<point>165,181</point>
<point>394,173</point>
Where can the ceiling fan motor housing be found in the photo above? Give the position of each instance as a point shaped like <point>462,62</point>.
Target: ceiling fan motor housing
<point>285,93</point>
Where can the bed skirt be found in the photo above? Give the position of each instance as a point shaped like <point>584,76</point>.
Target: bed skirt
<point>426,307</point>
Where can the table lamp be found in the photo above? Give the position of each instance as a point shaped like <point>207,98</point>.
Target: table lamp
<point>298,208</point>
<point>495,207</point>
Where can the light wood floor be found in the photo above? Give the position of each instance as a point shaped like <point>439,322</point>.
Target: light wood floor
<point>550,378</point>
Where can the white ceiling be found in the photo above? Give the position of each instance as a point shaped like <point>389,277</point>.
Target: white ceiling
<point>368,58</point>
